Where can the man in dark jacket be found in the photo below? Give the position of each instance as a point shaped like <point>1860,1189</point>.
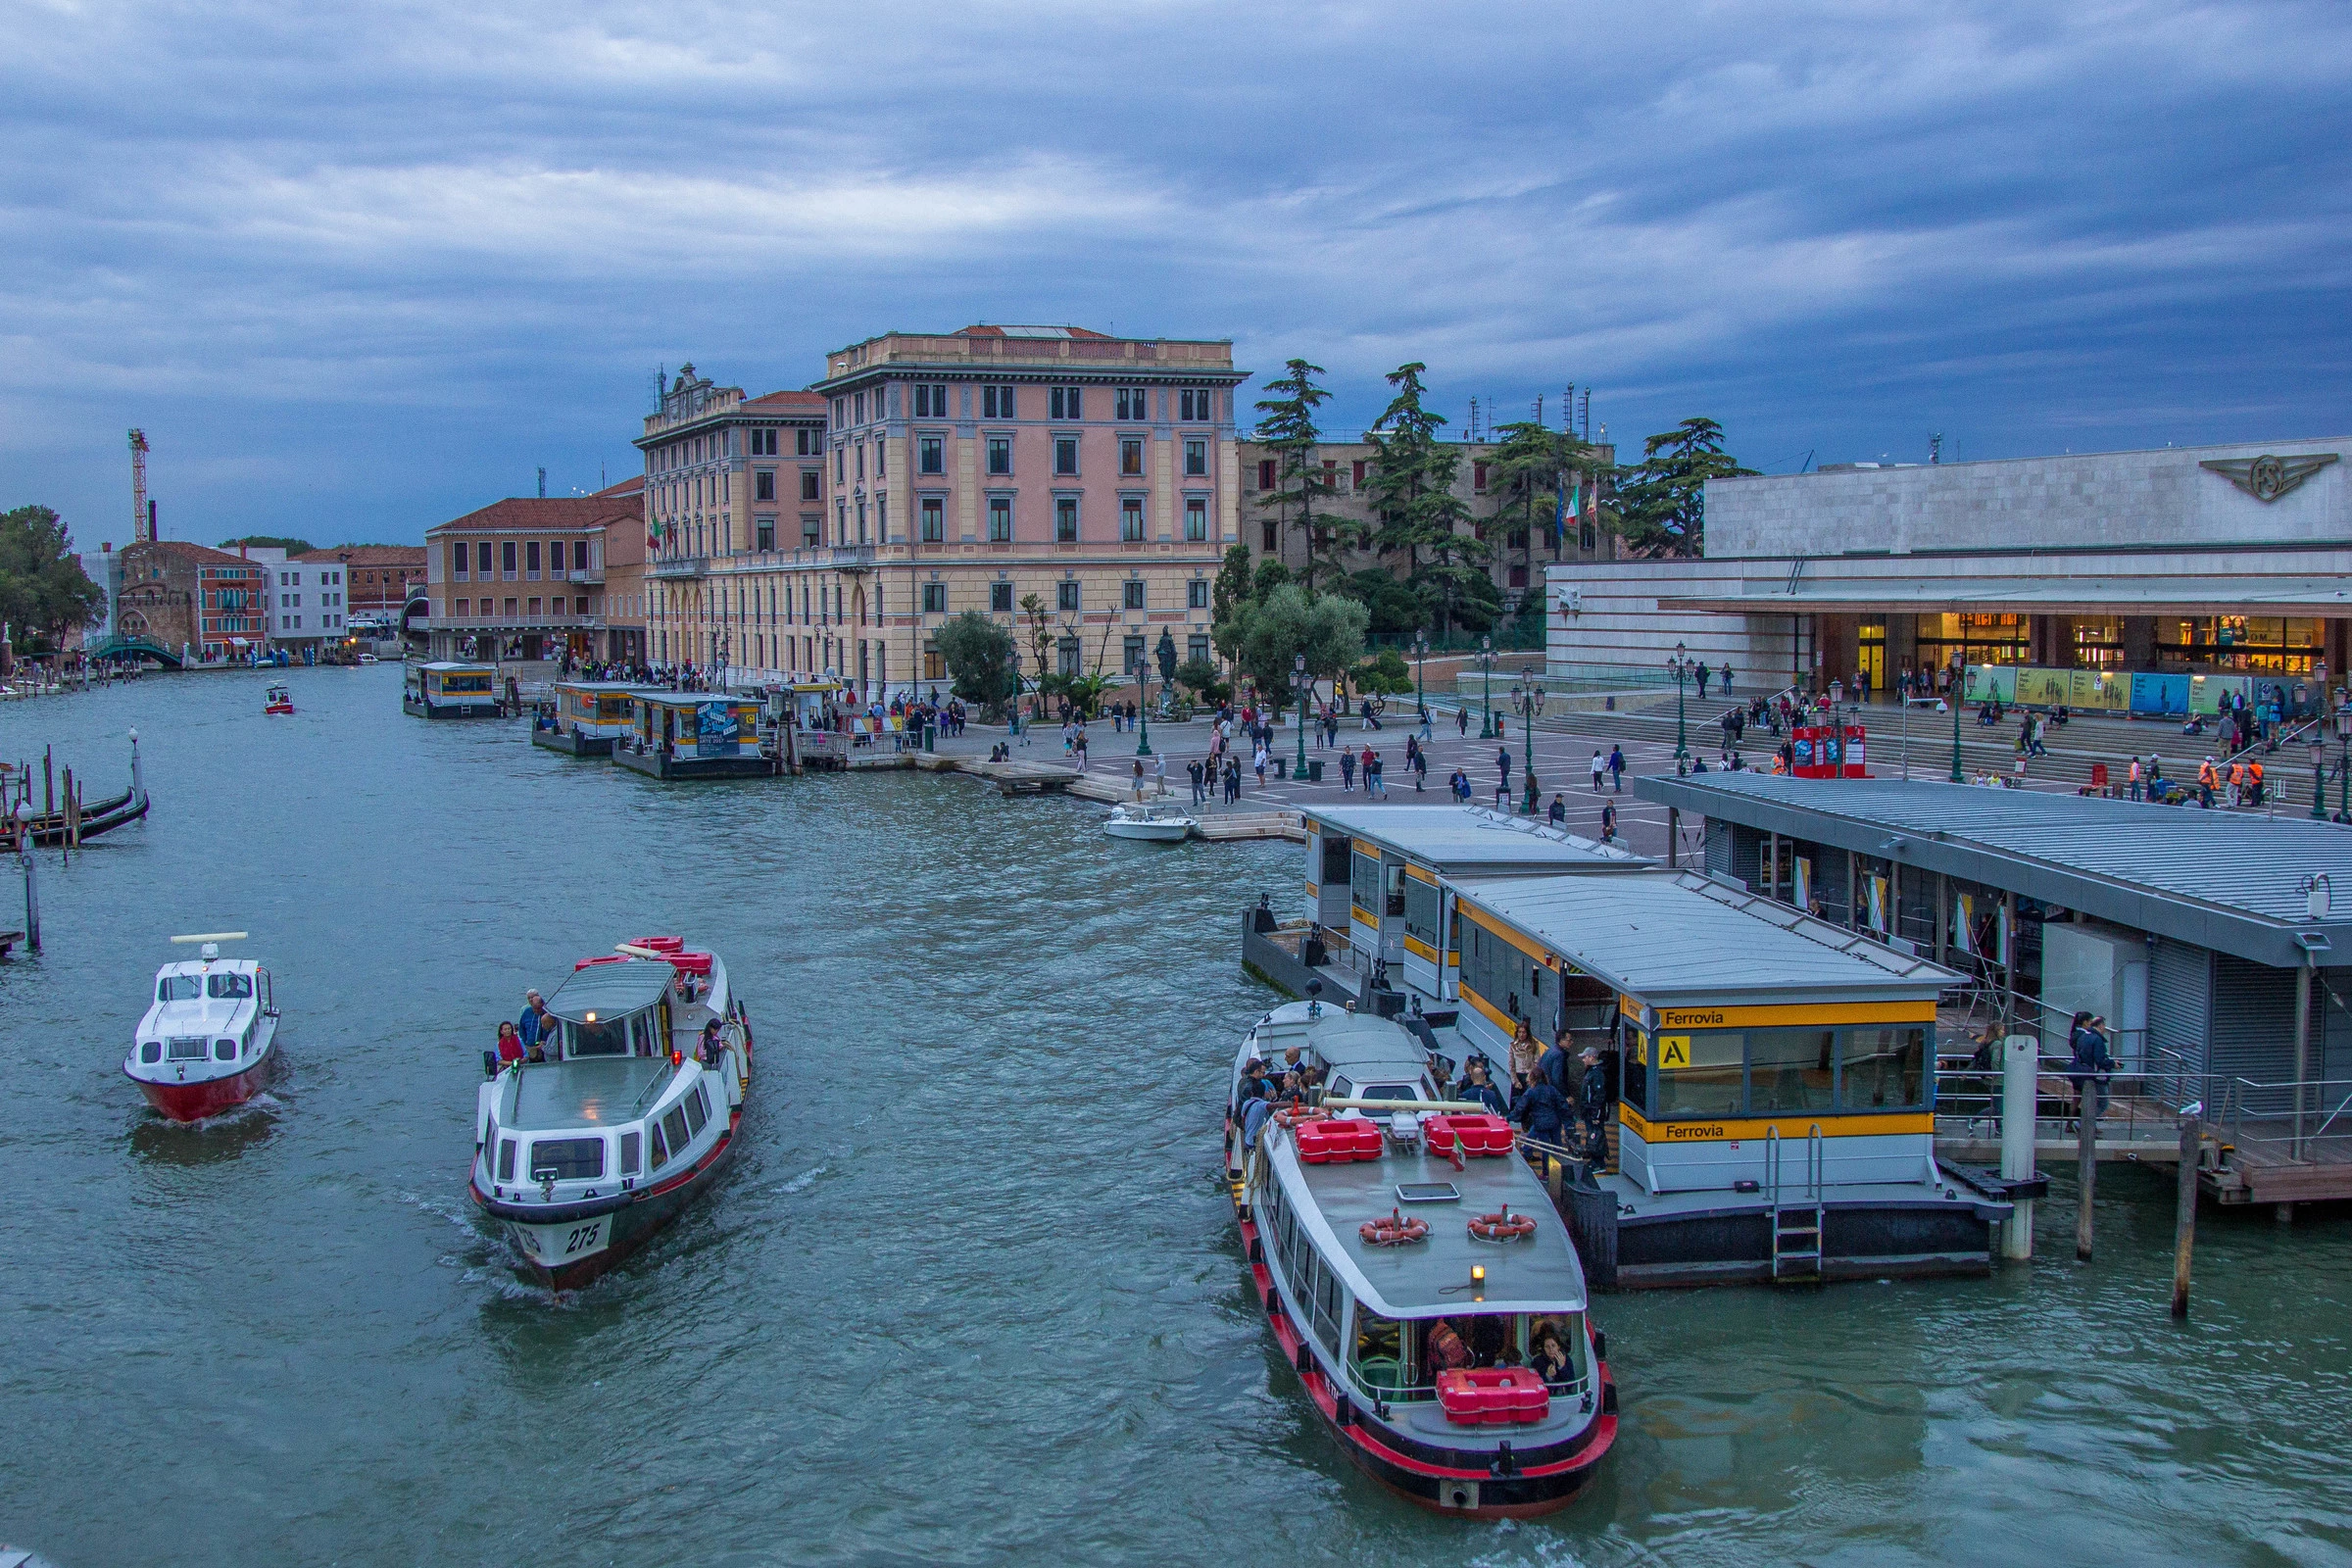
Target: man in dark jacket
<point>1476,1087</point>
<point>1593,1101</point>
<point>1552,1068</point>
<point>2091,1066</point>
<point>1542,1110</point>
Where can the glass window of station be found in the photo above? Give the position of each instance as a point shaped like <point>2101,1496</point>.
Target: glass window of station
<point>1857,1069</point>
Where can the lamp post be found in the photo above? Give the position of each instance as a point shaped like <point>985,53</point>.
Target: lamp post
<point>1301,684</point>
<point>1486,664</point>
<point>1959,680</point>
<point>1680,664</point>
<point>1420,659</point>
<point>32,895</point>
<point>1143,710</point>
<point>1530,703</point>
<point>2343,767</point>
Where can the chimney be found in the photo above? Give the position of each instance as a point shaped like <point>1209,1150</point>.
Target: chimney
<point>152,535</point>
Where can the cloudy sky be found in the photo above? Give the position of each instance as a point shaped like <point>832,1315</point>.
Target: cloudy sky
<point>358,270</point>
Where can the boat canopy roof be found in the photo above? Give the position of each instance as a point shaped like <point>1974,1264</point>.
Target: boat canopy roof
<point>611,990</point>
<point>601,687</point>
<point>588,1092</point>
<point>444,666</point>
<point>1431,1276</point>
<point>665,699</point>
<point>1358,1044</point>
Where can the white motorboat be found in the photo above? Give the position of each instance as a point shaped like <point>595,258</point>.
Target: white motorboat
<point>206,1041</point>
<point>1152,822</point>
<point>585,1154</point>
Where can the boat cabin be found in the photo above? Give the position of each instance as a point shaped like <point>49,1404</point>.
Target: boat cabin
<point>208,1012</point>
<point>583,717</point>
<point>1377,874</point>
<point>1762,1062</point>
<point>692,735</point>
<point>445,690</point>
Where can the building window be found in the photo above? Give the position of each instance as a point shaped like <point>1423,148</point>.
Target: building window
<point>579,555</point>
<point>935,599</point>
<point>763,485</point>
<point>1131,521</point>
<point>861,408</point>
<point>1000,598</point>
<point>1195,458</point>
<point>1131,455</point>
<point>1269,538</point>
<point>1265,474</point>
<point>996,402</point>
<point>464,609</point>
<point>1518,576</point>
<point>841,458</point>
<point>862,458</point>
<point>930,402</point>
<point>1065,454</point>
<point>931,454</point>
<point>1065,597</point>
<point>999,520</point>
<point>1195,519</point>
<point>1131,655</point>
<point>506,559</point>
<point>935,521</point>
<point>1478,477</point>
<point>1068,403</point>
<point>1193,405</point>
<point>999,453</point>
<point>768,533</point>
<point>1195,647</point>
<point>1356,473</point>
<point>1065,520</point>
<point>1130,593</point>
<point>1135,403</point>
<point>763,443</point>
<point>1587,537</point>
<point>535,611</point>
<point>1195,594</point>
<point>810,479</point>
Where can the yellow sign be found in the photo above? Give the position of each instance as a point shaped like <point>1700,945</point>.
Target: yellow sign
<point>1673,1050</point>
<point>1641,1048</point>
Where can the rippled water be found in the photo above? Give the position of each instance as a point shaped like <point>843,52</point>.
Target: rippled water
<point>970,1292</point>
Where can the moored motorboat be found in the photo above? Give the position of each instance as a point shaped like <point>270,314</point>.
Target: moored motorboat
<point>277,700</point>
<point>1152,823</point>
<point>583,1156</point>
<point>208,1041</point>
<point>1416,1275</point>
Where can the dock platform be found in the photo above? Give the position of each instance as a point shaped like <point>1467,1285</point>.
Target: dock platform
<point>661,764</point>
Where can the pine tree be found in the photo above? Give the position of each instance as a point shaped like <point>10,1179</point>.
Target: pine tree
<point>1527,472</point>
<point>1288,429</point>
<point>1663,497</point>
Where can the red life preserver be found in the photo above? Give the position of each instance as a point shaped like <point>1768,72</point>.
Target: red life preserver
<point>1503,1226</point>
<point>1394,1231</point>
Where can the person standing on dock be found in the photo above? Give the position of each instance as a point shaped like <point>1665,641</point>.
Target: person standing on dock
<point>1502,768</point>
<point>1347,771</point>
<point>1617,768</point>
<point>2091,1067</point>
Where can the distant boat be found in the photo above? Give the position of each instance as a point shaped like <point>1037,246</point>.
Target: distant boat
<point>52,829</point>
<point>1157,824</point>
<point>277,700</point>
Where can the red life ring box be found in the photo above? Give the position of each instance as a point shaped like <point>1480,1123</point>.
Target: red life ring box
<point>1315,1141</point>
<point>1365,1139</point>
<point>1478,1132</point>
<point>1493,1395</point>
<point>660,944</point>
<point>691,962</point>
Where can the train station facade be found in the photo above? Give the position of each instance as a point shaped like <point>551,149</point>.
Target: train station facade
<point>2219,560</point>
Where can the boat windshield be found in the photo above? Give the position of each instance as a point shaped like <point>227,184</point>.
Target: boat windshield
<point>606,1037</point>
<point>229,985</point>
<point>1401,1359</point>
<point>179,988</point>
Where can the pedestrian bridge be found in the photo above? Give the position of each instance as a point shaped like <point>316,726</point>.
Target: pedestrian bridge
<point>119,647</point>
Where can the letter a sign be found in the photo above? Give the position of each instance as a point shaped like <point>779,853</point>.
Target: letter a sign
<point>1673,1050</point>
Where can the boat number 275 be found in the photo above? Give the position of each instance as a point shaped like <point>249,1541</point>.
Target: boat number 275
<point>582,1236</point>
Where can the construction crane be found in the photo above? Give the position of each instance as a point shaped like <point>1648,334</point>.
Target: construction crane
<point>143,521</point>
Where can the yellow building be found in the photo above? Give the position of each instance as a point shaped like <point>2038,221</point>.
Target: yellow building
<point>833,532</point>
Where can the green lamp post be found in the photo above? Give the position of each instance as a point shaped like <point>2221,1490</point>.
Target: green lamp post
<point>2343,768</point>
<point>1530,704</point>
<point>1300,683</point>
<point>1142,711</point>
<point>1680,664</point>
<point>1420,659</point>
<point>1958,682</point>
<point>1486,698</point>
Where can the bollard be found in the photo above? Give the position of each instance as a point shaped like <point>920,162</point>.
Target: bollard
<point>33,897</point>
<point>2087,1159</point>
<point>2184,1218</point>
<point>2021,1067</point>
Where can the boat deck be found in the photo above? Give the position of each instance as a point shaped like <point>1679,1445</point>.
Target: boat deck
<point>552,1096</point>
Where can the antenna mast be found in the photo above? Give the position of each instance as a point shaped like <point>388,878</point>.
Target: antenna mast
<point>140,529</point>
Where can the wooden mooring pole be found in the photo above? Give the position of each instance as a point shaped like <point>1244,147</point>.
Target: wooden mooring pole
<point>2185,1214</point>
<point>2086,1156</point>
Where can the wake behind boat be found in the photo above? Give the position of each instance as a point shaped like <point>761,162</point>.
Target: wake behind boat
<point>1416,1275</point>
<point>585,1154</point>
<point>207,1040</point>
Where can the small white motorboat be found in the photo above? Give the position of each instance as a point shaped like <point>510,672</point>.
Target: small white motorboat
<point>206,1042</point>
<point>1158,824</point>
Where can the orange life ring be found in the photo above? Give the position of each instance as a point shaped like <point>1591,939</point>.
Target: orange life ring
<point>1394,1231</point>
<point>1503,1226</point>
<point>1292,1116</point>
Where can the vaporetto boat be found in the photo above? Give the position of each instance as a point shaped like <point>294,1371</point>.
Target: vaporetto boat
<point>584,1157</point>
<point>1417,1277</point>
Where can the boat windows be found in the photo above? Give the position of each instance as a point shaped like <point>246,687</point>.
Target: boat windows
<point>1390,1092</point>
<point>229,985</point>
<point>608,1037</point>
<point>1393,893</point>
<point>224,1050</point>
<point>185,1048</point>
<point>1882,1068</point>
<point>1699,1074</point>
<point>1317,1288</point>
<point>179,988</point>
<point>660,1147</point>
<point>568,1160</point>
<point>1421,912</point>
<point>1790,1069</point>
<point>641,1036</point>
<point>1379,1353</point>
<point>152,1051</point>
<point>1564,1332</point>
<point>631,1143</point>
<point>1363,886</point>
<point>696,1106</point>
<point>506,1160</point>
<point>674,1124</point>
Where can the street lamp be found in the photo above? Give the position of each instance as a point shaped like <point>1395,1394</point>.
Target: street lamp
<point>1486,664</point>
<point>2343,768</point>
<point>2319,774</point>
<point>1959,680</point>
<point>1529,699</point>
<point>1420,659</point>
<point>1680,664</point>
<point>1301,684</point>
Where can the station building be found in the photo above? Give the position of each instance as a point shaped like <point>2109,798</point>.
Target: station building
<point>2216,561</point>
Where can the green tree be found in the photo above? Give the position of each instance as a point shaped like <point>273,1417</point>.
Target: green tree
<point>1265,637</point>
<point>1526,474</point>
<point>1288,430</point>
<point>270,541</point>
<point>43,586</point>
<point>1199,677</point>
<point>1395,608</point>
<point>1403,442</point>
<point>979,655</point>
<point>1454,580</point>
<point>1662,499</point>
<point>1231,585</point>
<point>1040,622</point>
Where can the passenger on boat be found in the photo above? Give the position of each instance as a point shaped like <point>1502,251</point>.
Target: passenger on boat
<point>1475,1086</point>
<point>1525,1053</point>
<point>1445,1350</point>
<point>1542,1110</point>
<point>1592,1099</point>
<point>1552,1067</point>
<point>510,1044</point>
<point>1551,1362</point>
<point>1254,1116</point>
<point>533,1014</point>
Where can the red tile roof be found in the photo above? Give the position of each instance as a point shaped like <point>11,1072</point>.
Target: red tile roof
<point>367,556</point>
<point>628,489</point>
<point>531,513</point>
<point>1033,331</point>
<point>195,553</point>
<point>807,402</point>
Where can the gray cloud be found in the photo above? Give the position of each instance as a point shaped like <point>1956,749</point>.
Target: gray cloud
<point>358,272</point>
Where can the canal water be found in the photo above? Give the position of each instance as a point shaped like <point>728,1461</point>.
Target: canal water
<point>970,1293</point>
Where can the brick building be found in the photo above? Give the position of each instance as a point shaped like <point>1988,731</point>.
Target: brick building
<point>375,579</point>
<point>213,603</point>
<point>523,579</point>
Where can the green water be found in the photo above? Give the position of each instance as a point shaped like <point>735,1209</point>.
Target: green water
<point>970,1292</point>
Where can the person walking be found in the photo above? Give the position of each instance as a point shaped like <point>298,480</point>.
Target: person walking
<point>1425,723</point>
<point>1375,780</point>
<point>1199,792</point>
<point>1702,678</point>
<point>1503,766</point>
<point>1346,771</point>
<point>1600,767</point>
<point>1420,770</point>
<point>1257,764</point>
<point>2091,1068</point>
<point>1461,720</point>
<point>1559,812</point>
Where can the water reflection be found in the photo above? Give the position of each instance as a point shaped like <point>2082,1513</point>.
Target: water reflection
<point>157,1140</point>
